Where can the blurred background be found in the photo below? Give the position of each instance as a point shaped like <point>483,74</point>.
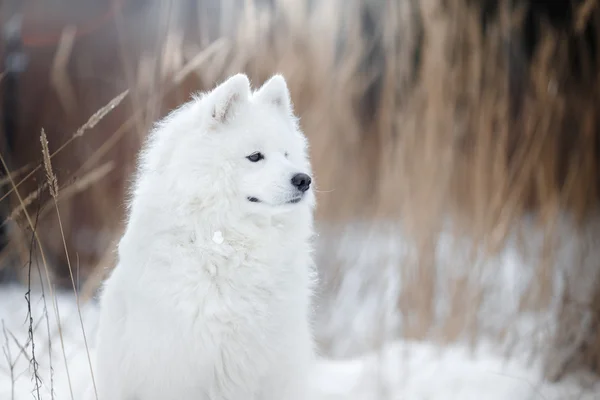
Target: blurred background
<point>456,145</point>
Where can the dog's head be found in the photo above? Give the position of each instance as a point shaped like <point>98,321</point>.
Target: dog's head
<point>233,147</point>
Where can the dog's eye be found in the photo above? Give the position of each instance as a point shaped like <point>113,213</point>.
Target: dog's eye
<point>256,157</point>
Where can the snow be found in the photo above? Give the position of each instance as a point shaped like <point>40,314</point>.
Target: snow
<point>357,315</point>
<point>401,370</point>
<point>419,371</point>
<point>358,303</point>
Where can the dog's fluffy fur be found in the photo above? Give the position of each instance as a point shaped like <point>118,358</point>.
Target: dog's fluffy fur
<point>211,295</point>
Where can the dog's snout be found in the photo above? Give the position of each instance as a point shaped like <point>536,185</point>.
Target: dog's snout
<point>301,182</point>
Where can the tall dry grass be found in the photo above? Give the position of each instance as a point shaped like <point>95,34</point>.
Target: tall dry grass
<point>415,111</point>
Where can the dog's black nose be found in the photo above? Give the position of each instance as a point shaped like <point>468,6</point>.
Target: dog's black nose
<point>301,181</point>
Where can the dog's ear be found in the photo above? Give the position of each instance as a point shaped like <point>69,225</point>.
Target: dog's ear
<point>275,91</point>
<point>228,97</point>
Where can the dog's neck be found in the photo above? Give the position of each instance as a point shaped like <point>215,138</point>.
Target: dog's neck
<point>152,224</point>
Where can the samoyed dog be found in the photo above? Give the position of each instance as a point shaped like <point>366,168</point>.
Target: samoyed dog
<point>211,297</point>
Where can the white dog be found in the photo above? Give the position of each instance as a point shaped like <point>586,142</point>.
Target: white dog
<point>210,299</point>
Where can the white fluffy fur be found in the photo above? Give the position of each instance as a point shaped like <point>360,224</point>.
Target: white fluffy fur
<point>211,295</point>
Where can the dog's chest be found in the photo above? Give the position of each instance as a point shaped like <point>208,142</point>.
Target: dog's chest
<point>227,279</point>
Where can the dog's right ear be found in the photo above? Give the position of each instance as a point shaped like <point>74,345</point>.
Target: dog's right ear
<point>228,97</point>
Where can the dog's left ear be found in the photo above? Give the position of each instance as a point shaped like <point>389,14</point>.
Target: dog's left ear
<point>275,91</point>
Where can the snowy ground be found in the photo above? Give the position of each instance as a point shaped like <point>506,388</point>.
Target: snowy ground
<point>349,321</point>
<point>358,302</point>
<point>400,371</point>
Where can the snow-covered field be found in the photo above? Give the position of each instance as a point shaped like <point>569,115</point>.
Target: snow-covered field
<point>349,321</point>
<point>415,371</point>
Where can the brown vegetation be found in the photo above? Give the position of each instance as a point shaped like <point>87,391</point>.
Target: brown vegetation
<point>414,109</point>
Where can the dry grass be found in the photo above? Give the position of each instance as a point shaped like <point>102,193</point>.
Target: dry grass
<point>417,116</point>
